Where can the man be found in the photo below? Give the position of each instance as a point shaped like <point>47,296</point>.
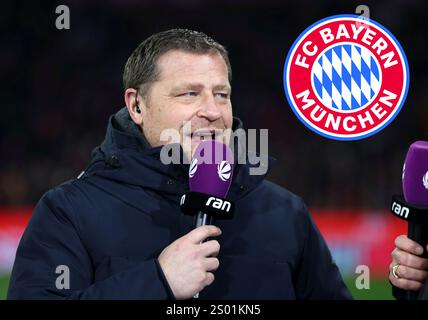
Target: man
<point>408,270</point>
<point>118,229</point>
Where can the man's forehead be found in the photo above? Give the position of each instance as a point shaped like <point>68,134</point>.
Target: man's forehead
<point>180,62</point>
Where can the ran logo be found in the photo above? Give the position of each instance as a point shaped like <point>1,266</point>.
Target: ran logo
<point>218,204</point>
<point>400,210</point>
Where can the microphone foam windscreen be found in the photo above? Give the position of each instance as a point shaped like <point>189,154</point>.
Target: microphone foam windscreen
<point>211,169</point>
<point>415,174</point>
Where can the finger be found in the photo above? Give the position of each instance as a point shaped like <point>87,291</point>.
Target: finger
<point>209,278</point>
<point>201,233</point>
<point>405,284</point>
<point>404,243</point>
<point>410,260</point>
<point>210,248</point>
<point>211,264</point>
<point>408,273</point>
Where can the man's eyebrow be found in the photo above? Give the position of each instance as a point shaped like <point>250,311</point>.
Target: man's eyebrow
<point>223,87</point>
<point>188,86</point>
<point>198,87</point>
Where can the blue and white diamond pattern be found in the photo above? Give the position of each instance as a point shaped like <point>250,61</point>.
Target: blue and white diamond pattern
<point>346,77</point>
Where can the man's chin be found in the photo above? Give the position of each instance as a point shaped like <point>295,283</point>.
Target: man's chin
<point>194,145</point>
<point>190,144</point>
<point>197,140</point>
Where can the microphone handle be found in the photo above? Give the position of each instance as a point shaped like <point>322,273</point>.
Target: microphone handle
<point>417,232</point>
<point>202,219</point>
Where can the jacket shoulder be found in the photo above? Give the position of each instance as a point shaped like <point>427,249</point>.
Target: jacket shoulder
<point>281,195</point>
<point>68,191</point>
<point>66,198</point>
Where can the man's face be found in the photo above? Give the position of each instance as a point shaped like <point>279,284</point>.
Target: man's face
<point>191,87</point>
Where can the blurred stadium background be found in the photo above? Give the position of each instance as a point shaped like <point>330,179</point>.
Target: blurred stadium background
<point>59,87</point>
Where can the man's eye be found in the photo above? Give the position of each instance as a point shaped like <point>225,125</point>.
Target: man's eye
<point>222,95</point>
<point>188,94</point>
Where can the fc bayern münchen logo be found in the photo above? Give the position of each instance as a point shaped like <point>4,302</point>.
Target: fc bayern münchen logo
<point>346,78</point>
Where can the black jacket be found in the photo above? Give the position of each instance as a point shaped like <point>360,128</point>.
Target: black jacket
<point>109,226</point>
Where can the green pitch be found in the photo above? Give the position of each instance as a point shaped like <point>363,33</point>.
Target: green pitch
<point>4,283</point>
<point>379,289</point>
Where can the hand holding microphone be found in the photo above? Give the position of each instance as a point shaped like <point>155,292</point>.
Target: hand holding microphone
<point>409,267</point>
<point>188,263</point>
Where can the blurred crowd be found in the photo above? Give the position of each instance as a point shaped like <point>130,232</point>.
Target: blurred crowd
<point>58,88</point>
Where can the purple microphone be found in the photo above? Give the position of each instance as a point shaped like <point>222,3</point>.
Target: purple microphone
<point>210,176</point>
<point>210,173</point>
<point>415,189</point>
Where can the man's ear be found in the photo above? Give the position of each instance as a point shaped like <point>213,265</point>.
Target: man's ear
<point>136,106</point>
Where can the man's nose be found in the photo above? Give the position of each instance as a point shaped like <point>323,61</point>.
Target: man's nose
<point>209,108</point>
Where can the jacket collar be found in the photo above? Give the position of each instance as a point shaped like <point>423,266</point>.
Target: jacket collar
<point>126,156</point>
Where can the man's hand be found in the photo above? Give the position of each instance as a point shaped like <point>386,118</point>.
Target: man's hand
<point>410,269</point>
<point>187,262</point>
